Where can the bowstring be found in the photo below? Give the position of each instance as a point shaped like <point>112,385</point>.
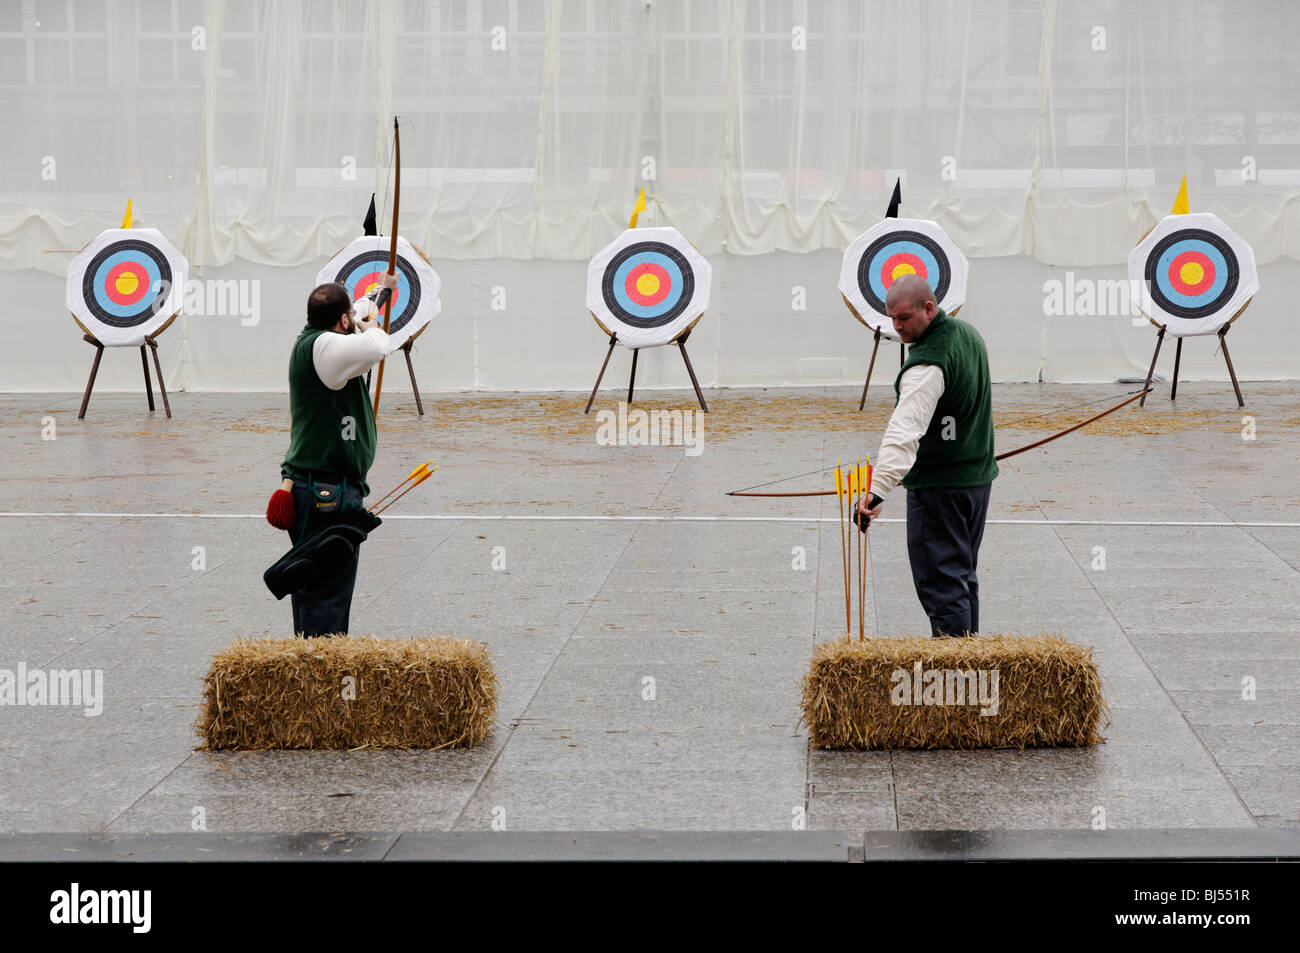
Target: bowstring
<point>379,227</point>
<point>1059,410</point>
<point>388,180</point>
<point>759,486</point>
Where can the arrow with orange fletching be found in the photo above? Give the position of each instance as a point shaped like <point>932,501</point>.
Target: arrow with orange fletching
<point>419,475</point>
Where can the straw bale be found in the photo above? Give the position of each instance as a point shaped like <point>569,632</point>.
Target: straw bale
<point>1046,693</point>
<point>291,693</point>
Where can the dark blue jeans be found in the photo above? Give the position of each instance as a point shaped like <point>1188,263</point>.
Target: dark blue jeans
<point>944,531</point>
<point>322,611</point>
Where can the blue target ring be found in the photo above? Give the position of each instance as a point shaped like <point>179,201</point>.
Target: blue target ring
<point>1160,272</point>
<point>663,260</point>
<point>904,246</point>
<point>152,270</point>
<point>407,299</point>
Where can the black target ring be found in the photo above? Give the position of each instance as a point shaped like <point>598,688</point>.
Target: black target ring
<point>682,296</point>
<point>146,308</point>
<point>898,242</point>
<point>406,275</point>
<point>1155,281</point>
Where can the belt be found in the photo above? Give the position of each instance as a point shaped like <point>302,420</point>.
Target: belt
<point>320,476</point>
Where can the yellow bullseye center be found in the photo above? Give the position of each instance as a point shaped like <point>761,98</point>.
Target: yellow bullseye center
<point>1191,273</point>
<point>647,284</point>
<point>127,282</point>
<point>903,269</point>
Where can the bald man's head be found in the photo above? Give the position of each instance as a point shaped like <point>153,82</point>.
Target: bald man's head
<point>910,288</point>
<point>911,305</point>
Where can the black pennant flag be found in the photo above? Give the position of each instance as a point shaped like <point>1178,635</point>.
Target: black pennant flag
<point>369,225</point>
<point>895,201</point>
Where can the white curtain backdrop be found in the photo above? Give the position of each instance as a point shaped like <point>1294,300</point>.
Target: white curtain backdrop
<point>252,133</point>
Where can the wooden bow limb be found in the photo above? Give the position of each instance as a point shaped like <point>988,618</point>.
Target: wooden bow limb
<point>1039,443</point>
<point>392,252</point>
<point>1001,456</point>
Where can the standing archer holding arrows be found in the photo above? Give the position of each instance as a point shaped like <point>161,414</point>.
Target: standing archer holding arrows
<point>938,444</point>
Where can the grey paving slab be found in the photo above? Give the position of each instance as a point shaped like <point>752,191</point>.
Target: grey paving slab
<point>264,811</point>
<point>1283,542</point>
<point>856,810</point>
<point>1269,745</point>
<point>1271,707</point>
<point>636,798</point>
<point>1271,792</point>
<point>1131,768</point>
<point>849,772</point>
<point>577,747</point>
<point>1218,675</point>
<point>733,712</point>
<point>1075,809</point>
<point>1216,645</point>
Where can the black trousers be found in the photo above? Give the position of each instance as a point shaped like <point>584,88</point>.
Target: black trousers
<point>944,530</point>
<point>322,611</point>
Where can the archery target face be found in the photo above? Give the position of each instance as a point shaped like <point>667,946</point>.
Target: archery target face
<point>125,284</point>
<point>362,265</point>
<point>648,286</point>
<point>1195,273</point>
<point>896,247</point>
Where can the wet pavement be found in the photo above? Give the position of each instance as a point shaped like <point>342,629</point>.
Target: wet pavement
<point>650,632</point>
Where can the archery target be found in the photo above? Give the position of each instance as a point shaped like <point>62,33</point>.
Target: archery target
<point>648,286</point>
<point>127,283</point>
<point>1195,273</point>
<point>896,247</point>
<point>361,266</point>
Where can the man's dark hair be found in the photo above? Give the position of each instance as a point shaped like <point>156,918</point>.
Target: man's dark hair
<point>327,304</point>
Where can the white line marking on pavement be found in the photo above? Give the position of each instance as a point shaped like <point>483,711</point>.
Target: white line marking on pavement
<point>471,517</point>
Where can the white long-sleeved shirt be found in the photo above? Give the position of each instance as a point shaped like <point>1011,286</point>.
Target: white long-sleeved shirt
<point>340,357</point>
<point>919,391</point>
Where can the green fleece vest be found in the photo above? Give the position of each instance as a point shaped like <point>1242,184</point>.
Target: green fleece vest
<point>964,413</point>
<point>333,431</point>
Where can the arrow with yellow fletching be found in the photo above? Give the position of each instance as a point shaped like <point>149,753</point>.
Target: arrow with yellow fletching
<point>419,475</point>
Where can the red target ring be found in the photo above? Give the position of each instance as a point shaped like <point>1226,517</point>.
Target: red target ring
<point>1191,273</point>
<point>648,284</point>
<point>117,287</point>
<point>371,282</point>
<point>899,264</point>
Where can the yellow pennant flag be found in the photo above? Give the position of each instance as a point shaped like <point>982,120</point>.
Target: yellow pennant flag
<point>126,219</point>
<point>638,209</point>
<point>1181,206</point>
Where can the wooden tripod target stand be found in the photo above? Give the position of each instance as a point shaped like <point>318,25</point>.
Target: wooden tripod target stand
<point>410,369</point>
<point>631,384</point>
<point>875,344</point>
<point>1178,356</point>
<point>150,341</point>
